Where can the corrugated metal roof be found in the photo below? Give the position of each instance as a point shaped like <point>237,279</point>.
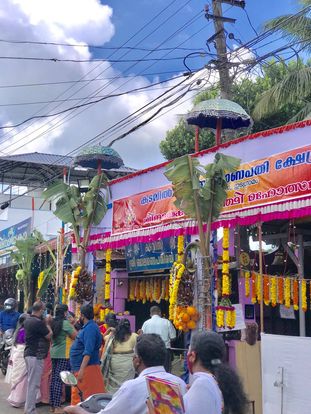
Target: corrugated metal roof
<point>40,158</point>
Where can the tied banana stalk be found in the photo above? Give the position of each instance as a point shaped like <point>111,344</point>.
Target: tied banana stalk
<point>201,192</point>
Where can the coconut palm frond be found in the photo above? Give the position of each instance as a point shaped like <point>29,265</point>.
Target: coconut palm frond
<point>304,113</point>
<point>295,86</point>
<point>293,28</point>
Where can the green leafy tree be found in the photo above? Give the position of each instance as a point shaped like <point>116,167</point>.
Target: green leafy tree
<point>246,92</point>
<point>295,86</point>
<point>23,258</point>
<point>80,210</point>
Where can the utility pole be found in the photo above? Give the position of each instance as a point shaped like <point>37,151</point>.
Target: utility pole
<point>219,38</point>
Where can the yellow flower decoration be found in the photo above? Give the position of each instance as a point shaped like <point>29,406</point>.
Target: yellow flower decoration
<point>108,274</point>
<point>287,292</point>
<point>247,284</point>
<point>273,291</point>
<point>304,295</point>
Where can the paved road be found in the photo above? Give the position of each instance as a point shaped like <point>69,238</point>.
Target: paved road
<point>5,408</point>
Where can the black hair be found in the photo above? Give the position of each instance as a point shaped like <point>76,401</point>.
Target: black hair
<point>87,311</point>
<point>210,350</point>
<point>151,349</point>
<point>20,325</point>
<point>58,320</point>
<point>155,310</point>
<point>111,320</point>
<point>123,330</point>
<point>49,308</point>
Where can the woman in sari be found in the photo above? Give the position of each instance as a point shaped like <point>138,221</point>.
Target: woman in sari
<point>17,372</point>
<point>118,356</point>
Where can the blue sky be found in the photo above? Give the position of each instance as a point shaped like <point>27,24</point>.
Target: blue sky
<point>128,17</point>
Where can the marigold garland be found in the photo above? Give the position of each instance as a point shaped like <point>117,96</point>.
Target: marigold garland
<point>108,274</point>
<point>295,294</point>
<point>176,273</point>
<point>266,290</point>
<point>254,288</point>
<point>74,281</point>
<point>225,312</point>
<point>287,292</point>
<point>273,291</point>
<point>247,283</point>
<point>304,305</point>
<point>280,290</point>
<point>258,288</point>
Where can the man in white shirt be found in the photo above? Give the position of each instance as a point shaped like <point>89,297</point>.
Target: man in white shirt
<point>163,327</point>
<point>131,398</point>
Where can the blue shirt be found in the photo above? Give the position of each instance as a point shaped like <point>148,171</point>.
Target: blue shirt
<point>87,342</point>
<point>8,320</point>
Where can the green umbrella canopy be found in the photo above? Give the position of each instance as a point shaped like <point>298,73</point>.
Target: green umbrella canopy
<point>91,157</point>
<point>206,113</point>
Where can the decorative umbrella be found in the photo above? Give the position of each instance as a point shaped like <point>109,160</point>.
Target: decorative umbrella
<point>218,114</point>
<point>99,157</point>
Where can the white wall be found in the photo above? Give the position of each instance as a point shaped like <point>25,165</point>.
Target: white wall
<point>292,356</point>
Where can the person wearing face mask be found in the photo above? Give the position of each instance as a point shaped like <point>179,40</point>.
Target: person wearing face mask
<point>38,334</point>
<point>214,385</point>
<point>131,398</point>
<point>84,357</point>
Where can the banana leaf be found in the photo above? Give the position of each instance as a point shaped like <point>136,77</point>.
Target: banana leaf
<point>59,188</point>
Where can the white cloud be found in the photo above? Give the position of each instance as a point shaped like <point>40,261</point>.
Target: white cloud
<point>71,21</point>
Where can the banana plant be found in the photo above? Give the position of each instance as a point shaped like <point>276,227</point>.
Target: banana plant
<point>23,258</point>
<point>200,192</point>
<point>80,210</point>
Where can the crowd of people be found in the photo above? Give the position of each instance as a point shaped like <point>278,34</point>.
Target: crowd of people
<point>111,358</point>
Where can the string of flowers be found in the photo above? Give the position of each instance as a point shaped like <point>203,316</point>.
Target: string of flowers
<point>176,274</point>
<point>108,274</point>
<point>247,283</point>
<point>280,290</point>
<point>273,291</point>
<point>254,288</point>
<point>74,281</point>
<point>287,292</point>
<point>295,294</point>
<point>304,305</point>
<point>266,290</point>
<point>225,312</point>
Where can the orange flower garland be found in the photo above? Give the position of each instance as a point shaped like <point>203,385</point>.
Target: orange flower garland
<point>247,284</point>
<point>258,287</point>
<point>287,292</point>
<point>280,290</point>
<point>296,294</point>
<point>266,290</point>
<point>176,274</point>
<point>273,291</point>
<point>254,288</point>
<point>304,305</point>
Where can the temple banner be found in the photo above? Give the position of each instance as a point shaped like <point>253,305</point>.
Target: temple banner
<point>280,177</point>
<point>146,209</point>
<point>274,179</point>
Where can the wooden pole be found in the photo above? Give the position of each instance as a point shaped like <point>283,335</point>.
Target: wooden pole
<point>259,227</point>
<point>99,167</point>
<point>218,132</point>
<point>196,141</point>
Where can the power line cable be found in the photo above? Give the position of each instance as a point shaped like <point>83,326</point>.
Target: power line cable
<point>153,19</point>
<point>99,90</point>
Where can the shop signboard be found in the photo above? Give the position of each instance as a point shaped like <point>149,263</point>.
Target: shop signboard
<point>278,178</point>
<point>9,236</point>
<point>156,255</point>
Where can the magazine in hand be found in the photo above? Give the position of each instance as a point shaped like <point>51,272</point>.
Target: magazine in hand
<point>165,396</point>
